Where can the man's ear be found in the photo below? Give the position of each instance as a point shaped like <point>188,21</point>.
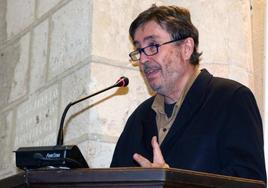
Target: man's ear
<point>188,48</point>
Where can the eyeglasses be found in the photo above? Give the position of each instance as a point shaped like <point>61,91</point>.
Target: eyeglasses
<point>149,50</point>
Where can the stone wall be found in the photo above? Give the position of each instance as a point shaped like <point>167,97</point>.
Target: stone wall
<point>55,51</point>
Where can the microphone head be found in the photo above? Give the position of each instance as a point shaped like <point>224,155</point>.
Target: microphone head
<point>122,82</point>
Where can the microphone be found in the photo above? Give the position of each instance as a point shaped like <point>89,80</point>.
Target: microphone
<point>58,156</point>
<point>121,82</point>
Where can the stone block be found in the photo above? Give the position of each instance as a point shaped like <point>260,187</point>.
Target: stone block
<point>224,30</point>
<point>19,83</point>
<point>3,24</point>
<point>45,6</point>
<point>97,154</point>
<point>217,69</point>
<point>241,75</point>
<point>98,114</point>
<point>5,133</point>
<point>9,58</point>
<point>110,110</point>
<point>229,32</point>
<point>69,36</point>
<point>7,162</point>
<point>74,87</point>
<point>39,56</point>
<point>258,36</point>
<point>111,21</point>
<point>19,15</point>
<point>14,70</point>
<point>36,119</point>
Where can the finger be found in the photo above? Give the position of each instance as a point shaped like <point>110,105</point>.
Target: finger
<point>158,157</point>
<point>142,160</point>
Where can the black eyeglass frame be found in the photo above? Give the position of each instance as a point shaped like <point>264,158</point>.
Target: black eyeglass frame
<point>140,50</point>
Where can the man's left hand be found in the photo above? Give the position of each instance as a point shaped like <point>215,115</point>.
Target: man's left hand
<point>158,161</point>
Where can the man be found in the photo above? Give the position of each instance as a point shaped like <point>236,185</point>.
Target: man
<point>195,121</point>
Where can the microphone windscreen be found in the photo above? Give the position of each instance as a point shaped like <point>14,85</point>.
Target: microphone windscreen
<point>122,82</point>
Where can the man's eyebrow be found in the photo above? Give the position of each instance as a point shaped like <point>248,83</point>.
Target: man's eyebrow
<point>151,37</point>
<point>148,38</point>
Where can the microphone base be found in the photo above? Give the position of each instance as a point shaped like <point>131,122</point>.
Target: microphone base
<point>64,157</point>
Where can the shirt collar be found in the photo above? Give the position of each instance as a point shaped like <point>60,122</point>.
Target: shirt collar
<point>158,104</point>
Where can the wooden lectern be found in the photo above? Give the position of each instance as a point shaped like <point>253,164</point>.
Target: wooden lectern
<point>125,177</point>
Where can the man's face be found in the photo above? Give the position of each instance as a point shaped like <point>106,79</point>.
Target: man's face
<point>163,70</point>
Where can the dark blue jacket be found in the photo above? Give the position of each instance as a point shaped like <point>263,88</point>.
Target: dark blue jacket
<point>217,130</point>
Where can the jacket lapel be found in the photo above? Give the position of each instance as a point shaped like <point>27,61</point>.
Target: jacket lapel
<point>149,130</point>
<point>190,106</point>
